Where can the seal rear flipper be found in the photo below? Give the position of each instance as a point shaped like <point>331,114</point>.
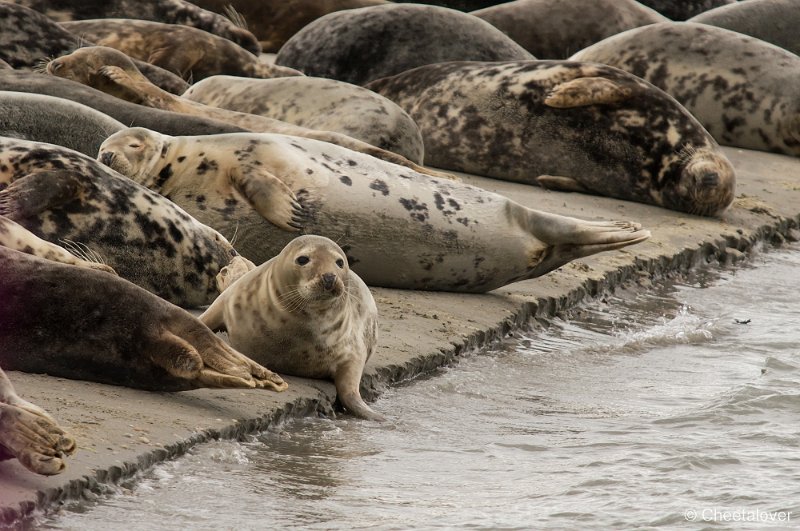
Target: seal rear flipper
<point>38,443</point>
<point>347,380</point>
<point>37,192</point>
<point>558,182</point>
<point>270,197</point>
<point>584,91</point>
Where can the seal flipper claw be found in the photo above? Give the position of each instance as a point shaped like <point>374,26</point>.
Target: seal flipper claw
<point>36,192</point>
<point>38,443</point>
<point>269,196</point>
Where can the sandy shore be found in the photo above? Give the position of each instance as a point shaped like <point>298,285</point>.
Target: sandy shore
<point>120,431</point>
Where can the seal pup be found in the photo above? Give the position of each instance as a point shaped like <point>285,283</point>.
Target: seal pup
<point>30,434</point>
<point>774,21</point>
<point>743,90</point>
<point>55,121</point>
<point>167,11</point>
<point>566,126</point>
<point>62,195</point>
<point>83,324</point>
<point>317,103</point>
<point>306,314</point>
<point>684,9</point>
<point>555,29</point>
<point>112,72</point>
<point>402,229</point>
<point>27,38</point>
<point>191,53</point>
<point>389,39</point>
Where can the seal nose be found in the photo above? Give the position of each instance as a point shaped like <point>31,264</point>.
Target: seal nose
<point>107,158</point>
<point>328,281</point>
<point>710,179</point>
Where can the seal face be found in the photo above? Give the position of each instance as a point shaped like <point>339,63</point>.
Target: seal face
<point>401,228</point>
<point>555,29</point>
<point>744,91</point>
<point>389,39</point>
<point>61,195</point>
<point>567,126</point>
<point>104,329</point>
<point>306,314</point>
<point>317,103</point>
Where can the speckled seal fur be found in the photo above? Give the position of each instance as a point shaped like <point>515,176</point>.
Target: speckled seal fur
<point>304,313</point>
<point>30,434</point>
<point>359,45</point>
<point>745,91</point>
<point>567,126</point>
<point>555,29</point>
<point>188,52</point>
<point>55,121</point>
<point>683,9</point>
<point>28,39</point>
<point>774,21</point>
<point>63,196</point>
<point>317,103</point>
<point>167,11</point>
<point>399,228</point>
<point>83,324</point>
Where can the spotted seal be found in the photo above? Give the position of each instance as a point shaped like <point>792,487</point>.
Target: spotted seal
<point>389,39</point>
<point>102,328</point>
<point>317,103</point>
<point>567,126</point>
<point>555,29</point>
<point>62,195</point>
<point>304,313</point>
<point>188,52</point>
<point>30,434</point>
<point>400,228</point>
<point>28,37</point>
<point>774,21</point>
<point>112,72</point>
<point>167,11</point>
<point>743,90</point>
<point>684,9</point>
<point>55,121</point>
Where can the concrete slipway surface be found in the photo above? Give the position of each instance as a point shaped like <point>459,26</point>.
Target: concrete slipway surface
<point>120,431</point>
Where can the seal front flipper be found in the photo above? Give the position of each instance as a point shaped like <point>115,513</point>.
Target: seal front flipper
<point>584,91</point>
<point>561,183</point>
<point>118,83</point>
<point>37,192</point>
<point>270,197</point>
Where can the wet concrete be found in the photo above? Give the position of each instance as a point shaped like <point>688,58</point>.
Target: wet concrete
<point>120,431</point>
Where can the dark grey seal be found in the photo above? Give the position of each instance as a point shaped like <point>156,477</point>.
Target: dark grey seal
<point>360,45</point>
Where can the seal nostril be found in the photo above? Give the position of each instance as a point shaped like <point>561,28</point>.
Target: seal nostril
<point>107,158</point>
<point>328,280</point>
<point>710,179</point>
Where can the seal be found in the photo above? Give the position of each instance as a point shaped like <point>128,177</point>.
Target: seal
<point>306,314</point>
<point>30,434</point>
<point>684,9</point>
<point>274,22</point>
<point>317,103</point>
<point>402,229</point>
<point>743,90</point>
<point>170,123</point>
<point>55,121</point>
<point>102,328</point>
<point>112,72</point>
<point>774,21</point>
<point>566,126</point>
<point>555,29</point>
<point>27,38</point>
<point>167,11</point>
<point>392,38</point>
<point>191,53</point>
<point>62,195</point>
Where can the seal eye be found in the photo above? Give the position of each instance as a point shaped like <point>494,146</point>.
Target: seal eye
<point>302,260</point>
<point>340,263</point>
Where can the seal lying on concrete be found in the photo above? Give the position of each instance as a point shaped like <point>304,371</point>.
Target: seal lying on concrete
<point>400,228</point>
<point>188,52</point>
<point>31,435</point>
<point>389,39</point>
<point>112,72</point>
<point>743,90</point>
<point>304,313</point>
<point>317,103</point>
<point>555,29</point>
<point>27,38</point>
<point>167,11</point>
<point>83,324</point>
<point>61,195</point>
<point>566,126</point>
<point>55,121</point>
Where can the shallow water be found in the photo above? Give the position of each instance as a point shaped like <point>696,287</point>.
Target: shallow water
<point>648,409</point>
